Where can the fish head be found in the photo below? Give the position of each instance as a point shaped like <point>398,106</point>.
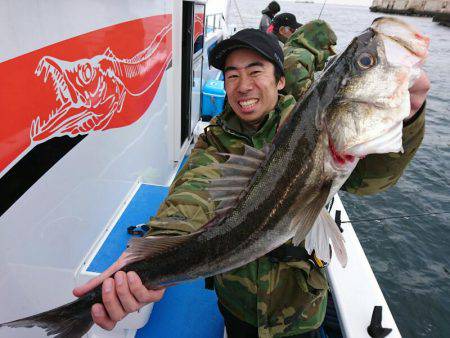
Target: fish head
<point>80,83</point>
<point>85,89</point>
<point>366,116</point>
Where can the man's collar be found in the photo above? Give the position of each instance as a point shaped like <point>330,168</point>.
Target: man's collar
<point>231,121</point>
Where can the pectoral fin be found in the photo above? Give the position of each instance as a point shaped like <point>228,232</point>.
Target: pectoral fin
<point>307,213</point>
<point>318,239</point>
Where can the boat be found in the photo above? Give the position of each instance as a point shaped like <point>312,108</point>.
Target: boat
<point>100,105</point>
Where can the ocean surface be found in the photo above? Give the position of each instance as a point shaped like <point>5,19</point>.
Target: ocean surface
<point>409,255</point>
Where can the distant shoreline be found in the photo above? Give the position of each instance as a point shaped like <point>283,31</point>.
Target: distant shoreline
<point>408,12</point>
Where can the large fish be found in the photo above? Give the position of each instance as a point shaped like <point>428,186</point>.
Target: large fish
<point>356,108</point>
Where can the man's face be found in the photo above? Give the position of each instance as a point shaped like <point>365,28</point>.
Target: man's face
<point>286,31</point>
<point>250,85</point>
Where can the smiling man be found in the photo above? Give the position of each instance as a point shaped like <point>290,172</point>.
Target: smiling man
<point>251,86</point>
<point>253,75</point>
<point>284,293</point>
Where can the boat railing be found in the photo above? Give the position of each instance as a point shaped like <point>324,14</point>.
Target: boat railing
<point>213,22</point>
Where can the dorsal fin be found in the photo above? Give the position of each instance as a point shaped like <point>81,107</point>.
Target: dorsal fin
<point>242,160</point>
<point>232,181</point>
<point>266,149</point>
<point>231,169</point>
<point>308,211</point>
<point>256,153</point>
<point>235,175</point>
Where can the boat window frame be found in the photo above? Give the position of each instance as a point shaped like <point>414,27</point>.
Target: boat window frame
<point>189,60</point>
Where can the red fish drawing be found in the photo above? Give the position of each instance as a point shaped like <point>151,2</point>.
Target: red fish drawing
<point>70,88</point>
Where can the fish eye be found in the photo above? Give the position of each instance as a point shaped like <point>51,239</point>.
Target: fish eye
<point>366,61</point>
<point>86,73</point>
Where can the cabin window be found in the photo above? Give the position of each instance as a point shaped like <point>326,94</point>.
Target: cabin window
<point>213,22</point>
<point>192,63</point>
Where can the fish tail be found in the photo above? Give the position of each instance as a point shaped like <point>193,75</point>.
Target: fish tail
<point>72,320</point>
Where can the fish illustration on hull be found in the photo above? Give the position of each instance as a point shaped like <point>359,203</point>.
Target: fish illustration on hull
<point>97,81</point>
<point>356,108</point>
<point>91,91</point>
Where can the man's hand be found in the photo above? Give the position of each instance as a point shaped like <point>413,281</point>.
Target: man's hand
<point>418,93</point>
<point>121,294</point>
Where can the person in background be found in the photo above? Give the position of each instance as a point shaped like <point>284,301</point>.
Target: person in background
<point>284,293</point>
<point>305,52</point>
<point>267,15</point>
<point>283,26</point>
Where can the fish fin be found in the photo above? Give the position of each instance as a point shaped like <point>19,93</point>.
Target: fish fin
<point>146,247</point>
<point>307,215</point>
<point>232,181</point>
<point>253,152</point>
<point>318,239</point>
<point>223,209</point>
<point>236,173</point>
<point>243,160</point>
<point>267,148</point>
<point>72,320</point>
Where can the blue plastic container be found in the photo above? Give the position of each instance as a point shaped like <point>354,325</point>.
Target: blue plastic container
<point>213,98</point>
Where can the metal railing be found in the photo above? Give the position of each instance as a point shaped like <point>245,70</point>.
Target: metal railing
<point>213,22</point>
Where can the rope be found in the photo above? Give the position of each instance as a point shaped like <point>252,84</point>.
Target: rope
<point>396,217</point>
<point>322,9</point>
<point>239,13</point>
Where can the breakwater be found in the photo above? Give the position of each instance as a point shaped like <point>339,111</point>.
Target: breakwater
<point>412,7</point>
<point>443,18</point>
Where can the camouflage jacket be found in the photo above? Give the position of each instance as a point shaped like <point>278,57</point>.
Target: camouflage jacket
<point>281,299</point>
<point>306,52</point>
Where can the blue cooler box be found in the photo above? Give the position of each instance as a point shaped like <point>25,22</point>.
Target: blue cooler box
<point>213,98</point>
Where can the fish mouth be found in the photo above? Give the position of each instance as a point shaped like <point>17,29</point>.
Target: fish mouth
<point>65,92</point>
<point>403,34</point>
<point>67,98</point>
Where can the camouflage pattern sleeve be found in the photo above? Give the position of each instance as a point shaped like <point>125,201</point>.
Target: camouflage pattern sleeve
<point>188,206</point>
<point>378,172</point>
<point>306,52</point>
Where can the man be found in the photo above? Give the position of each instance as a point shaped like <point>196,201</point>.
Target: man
<point>283,26</point>
<point>267,15</point>
<point>276,295</point>
<point>305,52</point>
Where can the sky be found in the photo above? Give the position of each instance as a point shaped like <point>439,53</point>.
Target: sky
<point>347,2</point>
<point>215,6</point>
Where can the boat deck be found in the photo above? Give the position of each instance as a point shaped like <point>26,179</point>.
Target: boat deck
<point>186,310</point>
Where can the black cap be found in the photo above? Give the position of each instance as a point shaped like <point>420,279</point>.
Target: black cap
<point>285,19</point>
<point>274,7</point>
<point>265,44</point>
